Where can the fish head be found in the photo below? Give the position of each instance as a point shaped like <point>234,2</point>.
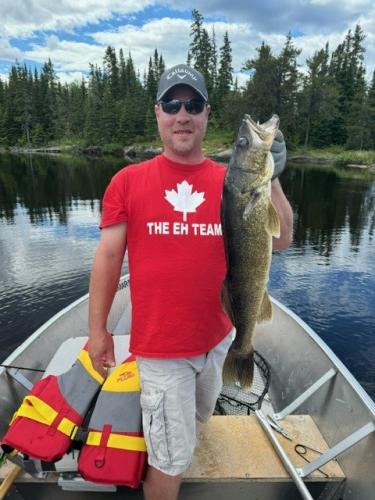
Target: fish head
<point>252,149</point>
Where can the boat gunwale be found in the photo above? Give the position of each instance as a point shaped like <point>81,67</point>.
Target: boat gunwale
<point>342,369</point>
<point>39,331</point>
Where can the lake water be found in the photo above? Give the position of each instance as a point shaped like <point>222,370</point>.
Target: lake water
<point>49,213</point>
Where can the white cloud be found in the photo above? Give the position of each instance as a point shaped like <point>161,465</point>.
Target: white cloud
<point>21,18</point>
<point>347,5</point>
<point>171,35</point>
<point>66,56</point>
<point>7,51</point>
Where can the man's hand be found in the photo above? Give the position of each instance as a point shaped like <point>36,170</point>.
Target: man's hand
<point>101,352</point>
<point>278,150</point>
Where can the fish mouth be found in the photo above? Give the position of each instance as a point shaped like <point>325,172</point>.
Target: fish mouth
<point>256,134</point>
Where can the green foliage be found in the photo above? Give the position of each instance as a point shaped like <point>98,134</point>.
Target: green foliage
<point>113,149</point>
<point>218,140</point>
<point>260,93</point>
<point>333,103</point>
<point>355,157</point>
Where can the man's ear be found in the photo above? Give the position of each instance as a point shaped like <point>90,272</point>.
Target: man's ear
<point>208,110</point>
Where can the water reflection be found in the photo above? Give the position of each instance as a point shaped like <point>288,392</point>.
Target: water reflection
<point>49,186</point>
<point>326,201</point>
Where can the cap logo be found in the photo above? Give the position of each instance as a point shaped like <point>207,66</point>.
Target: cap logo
<point>181,70</point>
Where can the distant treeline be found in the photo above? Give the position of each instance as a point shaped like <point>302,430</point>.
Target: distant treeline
<point>333,102</point>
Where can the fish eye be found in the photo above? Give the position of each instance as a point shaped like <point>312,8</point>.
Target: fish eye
<point>242,142</point>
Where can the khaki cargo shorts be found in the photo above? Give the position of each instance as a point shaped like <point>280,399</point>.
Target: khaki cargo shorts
<point>176,392</point>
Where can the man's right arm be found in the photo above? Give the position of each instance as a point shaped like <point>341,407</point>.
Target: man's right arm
<point>103,285</point>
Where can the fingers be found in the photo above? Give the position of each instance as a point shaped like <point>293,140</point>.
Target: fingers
<point>101,352</point>
<point>278,151</point>
<point>279,137</point>
<point>278,145</point>
<point>98,366</point>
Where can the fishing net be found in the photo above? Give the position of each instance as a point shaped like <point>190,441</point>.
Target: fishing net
<point>233,400</point>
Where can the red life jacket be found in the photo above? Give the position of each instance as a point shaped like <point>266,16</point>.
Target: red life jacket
<point>115,450</point>
<point>46,422</point>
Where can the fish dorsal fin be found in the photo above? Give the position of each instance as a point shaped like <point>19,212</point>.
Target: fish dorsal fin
<point>265,311</point>
<point>273,225</point>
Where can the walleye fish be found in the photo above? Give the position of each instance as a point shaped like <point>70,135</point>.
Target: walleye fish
<point>249,222</point>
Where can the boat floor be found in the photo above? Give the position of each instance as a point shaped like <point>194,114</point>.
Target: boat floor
<point>230,448</point>
<point>236,448</point>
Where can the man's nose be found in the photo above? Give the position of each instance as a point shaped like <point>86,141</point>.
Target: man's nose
<point>183,115</point>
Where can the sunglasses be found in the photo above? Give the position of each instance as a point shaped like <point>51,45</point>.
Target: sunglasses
<point>192,106</point>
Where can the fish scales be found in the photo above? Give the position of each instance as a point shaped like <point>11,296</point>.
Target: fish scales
<point>249,221</point>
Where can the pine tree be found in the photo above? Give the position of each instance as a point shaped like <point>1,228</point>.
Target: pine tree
<point>260,94</point>
<point>13,106</point>
<point>201,51</point>
<point>286,90</point>
<point>77,107</point>
<point>2,112</point>
<point>92,134</point>
<point>151,79</point>
<point>213,68</point>
<point>47,112</point>
<point>225,78</point>
<point>371,112</point>
<point>346,70</point>
<point>108,117</point>
<point>196,30</point>
<point>122,76</point>
<point>111,71</point>
<point>318,101</point>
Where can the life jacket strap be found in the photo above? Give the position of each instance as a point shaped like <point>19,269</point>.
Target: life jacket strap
<point>120,441</point>
<point>35,409</point>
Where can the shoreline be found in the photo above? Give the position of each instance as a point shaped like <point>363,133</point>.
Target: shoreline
<point>140,153</point>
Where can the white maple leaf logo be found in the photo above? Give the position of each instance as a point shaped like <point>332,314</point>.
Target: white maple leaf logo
<point>184,200</point>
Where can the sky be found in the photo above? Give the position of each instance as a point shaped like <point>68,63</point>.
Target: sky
<point>74,33</point>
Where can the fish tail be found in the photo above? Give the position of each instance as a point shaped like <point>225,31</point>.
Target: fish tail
<point>239,368</point>
<point>246,371</point>
<point>230,373</point>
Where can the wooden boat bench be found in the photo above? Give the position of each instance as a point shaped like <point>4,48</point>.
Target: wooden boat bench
<point>236,447</point>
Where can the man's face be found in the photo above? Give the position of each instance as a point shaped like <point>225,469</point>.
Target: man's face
<point>182,133</point>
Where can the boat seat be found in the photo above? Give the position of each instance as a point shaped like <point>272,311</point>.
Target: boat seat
<point>68,351</point>
<point>235,448</point>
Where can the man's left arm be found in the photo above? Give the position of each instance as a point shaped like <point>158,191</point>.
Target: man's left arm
<point>284,210</point>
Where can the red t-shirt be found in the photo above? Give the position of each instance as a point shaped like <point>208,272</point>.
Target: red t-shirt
<point>176,254</point>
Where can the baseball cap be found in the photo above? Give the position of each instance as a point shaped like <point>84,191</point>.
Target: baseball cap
<point>182,74</point>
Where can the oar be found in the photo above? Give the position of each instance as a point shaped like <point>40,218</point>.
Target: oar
<point>9,480</point>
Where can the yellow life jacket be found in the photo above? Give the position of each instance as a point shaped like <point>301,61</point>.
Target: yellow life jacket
<point>115,449</point>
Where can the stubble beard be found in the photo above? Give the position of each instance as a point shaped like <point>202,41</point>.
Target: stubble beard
<point>185,147</point>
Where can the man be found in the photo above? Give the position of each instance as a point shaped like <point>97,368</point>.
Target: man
<point>166,211</point>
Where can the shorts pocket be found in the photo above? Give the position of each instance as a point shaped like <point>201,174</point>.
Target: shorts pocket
<point>152,402</point>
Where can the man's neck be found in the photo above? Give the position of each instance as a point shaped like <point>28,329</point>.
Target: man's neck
<point>189,159</point>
